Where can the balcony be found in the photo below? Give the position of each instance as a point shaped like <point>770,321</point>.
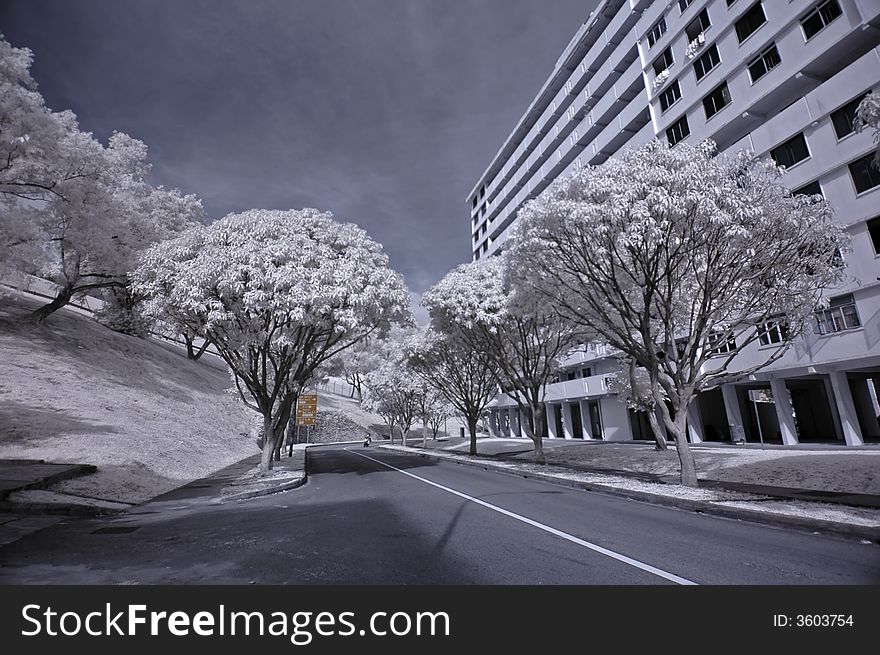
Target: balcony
<point>596,385</point>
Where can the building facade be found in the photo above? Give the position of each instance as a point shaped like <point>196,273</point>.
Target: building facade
<point>779,77</point>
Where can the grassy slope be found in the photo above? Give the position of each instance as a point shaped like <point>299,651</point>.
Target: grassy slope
<point>151,420</point>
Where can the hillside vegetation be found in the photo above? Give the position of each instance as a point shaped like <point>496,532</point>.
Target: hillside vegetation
<point>150,419</point>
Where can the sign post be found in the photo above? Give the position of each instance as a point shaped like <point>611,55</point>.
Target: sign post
<point>306,412</point>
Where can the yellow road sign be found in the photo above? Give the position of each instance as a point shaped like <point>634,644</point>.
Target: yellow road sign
<point>307,409</point>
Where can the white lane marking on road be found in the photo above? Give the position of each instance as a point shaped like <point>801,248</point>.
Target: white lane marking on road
<point>546,528</point>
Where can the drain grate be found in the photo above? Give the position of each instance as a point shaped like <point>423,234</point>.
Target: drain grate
<point>119,529</point>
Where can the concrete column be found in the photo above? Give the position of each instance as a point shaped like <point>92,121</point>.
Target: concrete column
<point>849,419</point>
<point>550,411</point>
<point>695,423</point>
<point>734,416</point>
<point>832,406</point>
<point>567,421</point>
<point>585,420</point>
<point>784,411</point>
<point>515,426</point>
<point>493,423</point>
<point>523,417</point>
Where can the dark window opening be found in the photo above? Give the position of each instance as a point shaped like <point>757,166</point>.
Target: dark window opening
<point>765,62</point>
<point>818,19</point>
<point>811,189</point>
<point>874,233</point>
<point>678,131</point>
<point>663,62</point>
<point>791,152</point>
<point>865,173</point>
<point>750,21</point>
<point>656,32</point>
<point>669,96</point>
<point>841,315</point>
<point>698,25</point>
<point>709,60</point>
<point>844,118</point>
<point>716,100</point>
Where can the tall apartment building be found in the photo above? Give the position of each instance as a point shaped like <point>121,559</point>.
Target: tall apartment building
<point>779,77</point>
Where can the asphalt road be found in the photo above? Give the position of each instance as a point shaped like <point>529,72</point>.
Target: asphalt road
<point>370,516</point>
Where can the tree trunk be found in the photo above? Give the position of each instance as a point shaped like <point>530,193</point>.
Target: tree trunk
<point>63,298</point>
<point>190,354</point>
<point>201,350</point>
<point>657,430</point>
<point>425,433</point>
<point>685,454</point>
<point>268,445</point>
<point>472,428</point>
<point>539,419</point>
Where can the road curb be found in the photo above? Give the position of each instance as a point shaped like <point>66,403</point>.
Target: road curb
<point>276,488</point>
<point>60,509</point>
<point>257,493</point>
<point>696,506</point>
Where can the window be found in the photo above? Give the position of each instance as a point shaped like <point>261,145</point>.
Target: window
<point>874,233</point>
<point>730,2</point>
<point>811,189</point>
<point>475,202</point>
<point>765,62</point>
<point>791,152</point>
<point>571,375</point>
<point>706,62</point>
<point>482,191</point>
<point>678,130</point>
<point>698,25</point>
<point>656,32</point>
<point>844,118</point>
<point>841,315</point>
<point>750,21</point>
<point>865,173</point>
<point>669,96</point>
<point>719,345</point>
<point>816,20</point>
<point>586,372</point>
<point>663,62</point>
<point>773,331</point>
<point>717,100</point>
<point>684,4</point>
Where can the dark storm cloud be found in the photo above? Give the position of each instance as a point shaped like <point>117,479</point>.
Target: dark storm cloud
<point>381,111</point>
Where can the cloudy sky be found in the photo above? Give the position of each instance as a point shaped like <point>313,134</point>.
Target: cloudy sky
<point>384,112</point>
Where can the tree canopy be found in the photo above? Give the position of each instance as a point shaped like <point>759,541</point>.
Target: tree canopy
<point>681,259</point>
<point>278,293</point>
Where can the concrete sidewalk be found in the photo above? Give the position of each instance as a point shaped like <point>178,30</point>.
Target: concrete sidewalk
<point>28,506</point>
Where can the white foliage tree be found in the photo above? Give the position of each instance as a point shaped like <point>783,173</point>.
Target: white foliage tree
<point>518,337</point>
<point>41,154</point>
<point>868,117</point>
<point>277,293</point>
<point>95,233</point>
<point>681,260</point>
<point>395,394</point>
<point>353,364</point>
<point>448,364</point>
